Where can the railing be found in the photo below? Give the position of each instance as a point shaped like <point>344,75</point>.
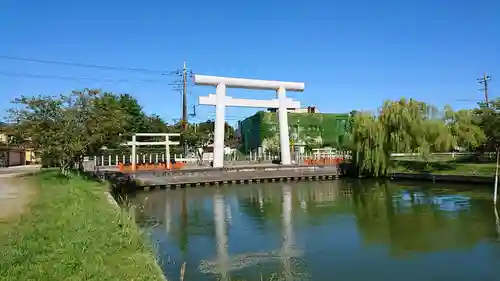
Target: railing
<point>252,157</point>
<point>115,159</point>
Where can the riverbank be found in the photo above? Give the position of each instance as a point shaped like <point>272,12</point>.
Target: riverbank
<point>444,171</point>
<point>69,231</point>
<point>445,168</point>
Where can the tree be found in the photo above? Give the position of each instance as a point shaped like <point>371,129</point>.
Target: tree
<point>201,135</point>
<point>65,128</point>
<point>489,121</point>
<point>407,126</point>
<point>135,118</point>
<point>465,126</point>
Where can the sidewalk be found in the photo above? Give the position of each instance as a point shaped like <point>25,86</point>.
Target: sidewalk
<point>7,172</point>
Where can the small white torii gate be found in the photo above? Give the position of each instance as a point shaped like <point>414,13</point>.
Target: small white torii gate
<point>220,100</point>
<point>134,143</point>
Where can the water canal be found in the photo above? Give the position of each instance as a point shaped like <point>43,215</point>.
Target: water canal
<point>324,231</point>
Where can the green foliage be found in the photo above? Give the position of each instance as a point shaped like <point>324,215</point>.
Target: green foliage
<point>450,167</point>
<point>408,126</point>
<point>465,126</point>
<point>67,127</point>
<point>489,115</point>
<point>201,134</point>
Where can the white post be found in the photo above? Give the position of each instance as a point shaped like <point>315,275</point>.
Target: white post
<point>102,160</point>
<point>219,126</point>
<point>116,158</point>
<point>123,159</point>
<point>109,160</point>
<point>283,124</point>
<point>167,152</point>
<point>134,155</point>
<point>156,158</point>
<point>495,192</point>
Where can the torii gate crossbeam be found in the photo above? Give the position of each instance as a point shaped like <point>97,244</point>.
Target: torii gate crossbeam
<point>220,100</point>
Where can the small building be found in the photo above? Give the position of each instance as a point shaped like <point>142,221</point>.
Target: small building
<point>11,156</point>
<point>15,156</point>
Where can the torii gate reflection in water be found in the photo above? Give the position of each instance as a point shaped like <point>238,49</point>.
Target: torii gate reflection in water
<point>220,100</point>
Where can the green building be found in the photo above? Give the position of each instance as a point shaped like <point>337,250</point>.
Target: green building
<point>315,130</point>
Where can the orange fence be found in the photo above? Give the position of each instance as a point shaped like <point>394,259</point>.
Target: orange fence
<point>323,161</point>
<point>151,167</point>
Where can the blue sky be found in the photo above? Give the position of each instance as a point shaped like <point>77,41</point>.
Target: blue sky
<point>350,54</point>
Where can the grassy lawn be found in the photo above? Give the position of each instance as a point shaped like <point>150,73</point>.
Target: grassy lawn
<point>71,232</point>
<point>445,168</point>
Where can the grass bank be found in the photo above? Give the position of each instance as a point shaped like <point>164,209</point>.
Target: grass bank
<point>445,168</point>
<point>71,232</point>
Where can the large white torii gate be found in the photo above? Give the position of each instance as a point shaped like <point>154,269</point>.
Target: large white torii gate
<point>220,100</point>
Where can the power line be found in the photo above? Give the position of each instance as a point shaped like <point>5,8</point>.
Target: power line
<point>484,80</point>
<point>106,67</point>
<point>72,78</point>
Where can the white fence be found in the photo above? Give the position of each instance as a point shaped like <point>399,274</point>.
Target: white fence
<point>154,158</point>
<point>252,157</point>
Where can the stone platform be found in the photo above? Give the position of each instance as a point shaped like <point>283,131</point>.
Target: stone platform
<point>226,175</point>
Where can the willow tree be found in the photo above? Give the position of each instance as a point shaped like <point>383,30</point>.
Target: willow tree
<point>465,126</point>
<point>407,126</point>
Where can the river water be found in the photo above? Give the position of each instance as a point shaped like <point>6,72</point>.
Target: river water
<point>324,231</point>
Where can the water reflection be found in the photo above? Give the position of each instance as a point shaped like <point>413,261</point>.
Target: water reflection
<point>222,263</point>
<point>497,221</point>
<point>352,229</point>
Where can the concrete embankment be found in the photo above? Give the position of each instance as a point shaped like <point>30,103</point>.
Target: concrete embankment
<point>216,176</point>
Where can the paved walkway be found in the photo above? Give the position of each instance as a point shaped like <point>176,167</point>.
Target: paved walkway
<point>8,172</point>
<point>15,193</point>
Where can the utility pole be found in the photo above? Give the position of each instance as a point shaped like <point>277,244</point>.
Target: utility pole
<point>484,80</point>
<point>184,106</point>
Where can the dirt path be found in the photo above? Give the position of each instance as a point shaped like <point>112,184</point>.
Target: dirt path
<point>15,195</point>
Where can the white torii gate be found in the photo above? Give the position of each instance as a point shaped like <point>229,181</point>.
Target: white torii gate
<point>134,143</point>
<point>220,100</point>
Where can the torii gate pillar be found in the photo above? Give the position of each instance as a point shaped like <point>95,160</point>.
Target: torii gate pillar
<point>283,126</point>
<point>220,123</point>
<point>220,100</point>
